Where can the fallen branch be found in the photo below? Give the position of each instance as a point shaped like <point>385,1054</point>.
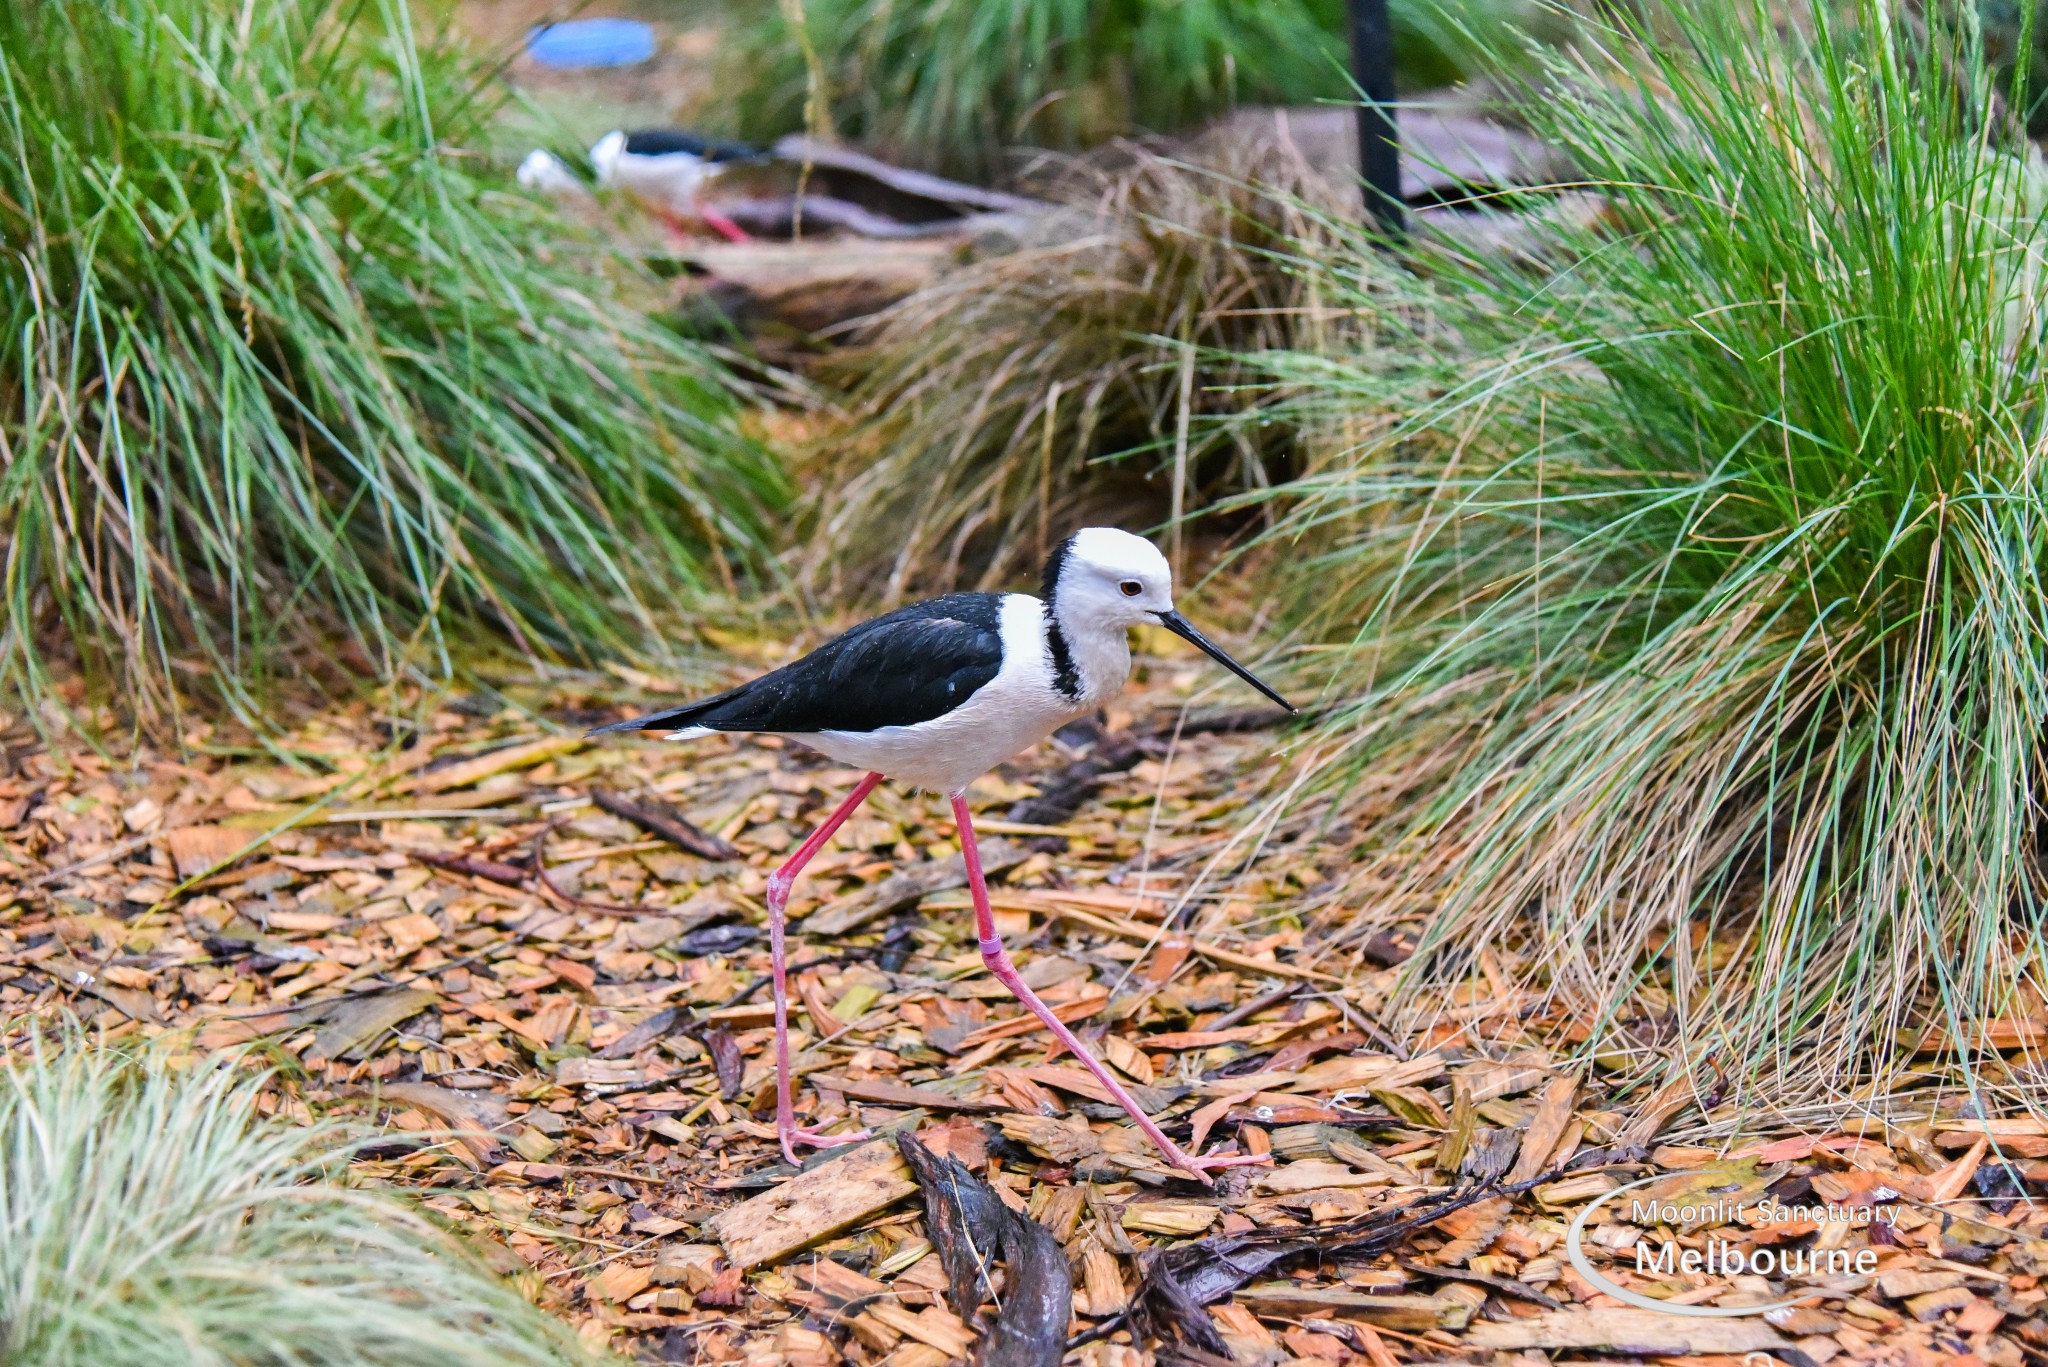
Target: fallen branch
<point>662,819</point>
<point>469,865</point>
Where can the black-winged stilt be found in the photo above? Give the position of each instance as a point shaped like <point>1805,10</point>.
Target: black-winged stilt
<point>935,695</point>
<point>669,169</point>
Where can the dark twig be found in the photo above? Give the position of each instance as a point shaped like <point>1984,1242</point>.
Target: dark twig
<point>1264,1001</point>
<point>662,819</point>
<point>472,866</point>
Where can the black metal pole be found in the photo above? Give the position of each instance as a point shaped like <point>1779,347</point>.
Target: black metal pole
<point>1379,144</point>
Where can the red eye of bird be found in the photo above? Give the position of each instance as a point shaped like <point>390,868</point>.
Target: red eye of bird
<point>1132,588</point>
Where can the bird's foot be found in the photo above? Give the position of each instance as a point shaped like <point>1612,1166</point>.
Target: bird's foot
<point>1199,1166</point>
<point>793,1134</point>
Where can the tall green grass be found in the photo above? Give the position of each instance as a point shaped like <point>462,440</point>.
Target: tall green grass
<point>282,368</point>
<point>952,84</point>
<point>152,1218</point>
<point>1698,591</point>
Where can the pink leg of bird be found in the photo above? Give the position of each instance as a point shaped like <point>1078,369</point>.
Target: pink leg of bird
<point>679,234</point>
<point>998,960</point>
<point>723,226</point>
<point>779,884</point>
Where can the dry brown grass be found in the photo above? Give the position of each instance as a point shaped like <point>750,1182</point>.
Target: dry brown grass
<point>1110,371</point>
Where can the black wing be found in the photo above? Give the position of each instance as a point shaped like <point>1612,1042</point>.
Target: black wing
<point>904,667</point>
<point>655,142</point>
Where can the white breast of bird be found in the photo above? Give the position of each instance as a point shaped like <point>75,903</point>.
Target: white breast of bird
<point>1009,714</point>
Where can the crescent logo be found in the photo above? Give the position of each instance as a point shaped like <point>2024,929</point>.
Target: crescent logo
<point>1575,1251</point>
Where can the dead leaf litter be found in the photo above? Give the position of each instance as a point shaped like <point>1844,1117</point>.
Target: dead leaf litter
<point>535,963</point>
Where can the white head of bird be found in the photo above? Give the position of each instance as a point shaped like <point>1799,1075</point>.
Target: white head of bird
<point>1106,579</point>
<point>604,157</point>
<point>1102,582</point>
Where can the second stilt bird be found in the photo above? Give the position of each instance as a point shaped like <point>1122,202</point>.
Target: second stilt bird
<point>936,694</point>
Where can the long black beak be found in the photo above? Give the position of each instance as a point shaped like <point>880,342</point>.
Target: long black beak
<point>1183,628</point>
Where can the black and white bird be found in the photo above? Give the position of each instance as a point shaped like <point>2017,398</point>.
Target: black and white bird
<point>668,169</point>
<point>936,694</point>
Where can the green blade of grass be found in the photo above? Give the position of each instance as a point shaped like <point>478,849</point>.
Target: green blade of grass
<point>1736,505</point>
<point>153,1217</point>
<point>280,366</point>
<point>953,84</point>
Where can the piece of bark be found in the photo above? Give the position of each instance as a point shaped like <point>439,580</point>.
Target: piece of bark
<point>1407,1312</point>
<point>1102,1280</point>
<point>661,1023</point>
<point>600,1072</point>
<point>1639,1333</point>
<point>77,976</point>
<point>475,1117</point>
<point>726,1061</point>
<point>910,886</point>
<point>1673,1097</point>
<point>1177,1281</point>
<point>1082,1083</point>
<point>1546,1127</point>
<point>665,820</point>
<point>195,849</point>
<point>353,1024</point>
<point>897,1094</point>
<point>944,1331</point>
<point>814,1205</point>
<point>1949,1182</point>
<point>1935,1304</point>
<point>1901,1283</point>
<point>970,1224</point>
<point>1507,1286</point>
<point>843,1290</point>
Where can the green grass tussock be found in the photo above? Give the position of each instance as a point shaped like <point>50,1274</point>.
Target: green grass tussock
<point>1700,595</point>
<point>153,1219</point>
<point>280,365</point>
<point>952,84</point>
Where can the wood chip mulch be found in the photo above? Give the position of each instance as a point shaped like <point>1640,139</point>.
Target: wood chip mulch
<point>537,965</point>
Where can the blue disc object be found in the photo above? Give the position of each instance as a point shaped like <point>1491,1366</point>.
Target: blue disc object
<point>584,43</point>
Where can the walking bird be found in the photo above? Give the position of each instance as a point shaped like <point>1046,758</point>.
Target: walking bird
<point>936,694</point>
<point>669,169</point>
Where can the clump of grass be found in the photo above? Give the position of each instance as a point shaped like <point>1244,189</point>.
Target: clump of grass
<point>952,84</point>
<point>281,366</point>
<point>153,1219</point>
<point>1709,565</point>
<point>987,403</point>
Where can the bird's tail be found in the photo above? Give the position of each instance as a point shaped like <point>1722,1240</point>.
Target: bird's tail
<point>671,719</point>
